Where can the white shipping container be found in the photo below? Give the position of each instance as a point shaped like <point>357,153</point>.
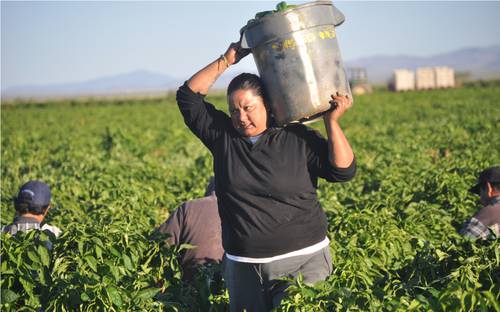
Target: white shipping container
<point>425,78</point>
<point>445,77</point>
<point>404,80</point>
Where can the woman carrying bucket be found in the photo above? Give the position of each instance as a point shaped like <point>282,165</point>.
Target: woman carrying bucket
<point>272,223</point>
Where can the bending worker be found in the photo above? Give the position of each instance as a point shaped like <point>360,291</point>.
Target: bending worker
<point>272,223</point>
<point>32,204</point>
<point>196,222</point>
<point>487,220</point>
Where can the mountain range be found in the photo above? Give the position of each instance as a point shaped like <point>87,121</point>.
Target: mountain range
<point>479,63</point>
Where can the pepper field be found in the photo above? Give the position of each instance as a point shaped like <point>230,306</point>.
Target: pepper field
<point>117,167</point>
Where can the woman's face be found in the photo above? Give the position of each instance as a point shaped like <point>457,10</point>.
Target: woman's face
<point>248,112</point>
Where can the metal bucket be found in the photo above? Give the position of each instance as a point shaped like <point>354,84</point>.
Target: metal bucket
<point>298,59</point>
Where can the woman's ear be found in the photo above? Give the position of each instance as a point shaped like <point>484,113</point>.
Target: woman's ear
<point>47,209</point>
<point>489,189</point>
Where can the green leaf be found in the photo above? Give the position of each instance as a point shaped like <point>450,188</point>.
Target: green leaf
<point>80,247</point>
<point>84,297</point>
<point>27,286</point>
<point>147,293</point>
<point>44,255</point>
<point>114,296</point>
<point>92,262</point>
<point>308,293</point>
<point>127,262</point>
<point>186,246</point>
<point>114,251</point>
<point>114,270</point>
<point>441,255</point>
<point>34,257</point>
<point>97,241</point>
<point>98,252</point>
<point>41,276</point>
<point>414,304</point>
<point>492,300</point>
<point>8,296</point>
<point>58,267</point>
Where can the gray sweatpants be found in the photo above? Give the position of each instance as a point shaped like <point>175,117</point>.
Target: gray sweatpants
<point>254,286</point>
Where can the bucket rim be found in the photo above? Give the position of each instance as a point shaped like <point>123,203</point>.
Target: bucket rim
<point>254,22</point>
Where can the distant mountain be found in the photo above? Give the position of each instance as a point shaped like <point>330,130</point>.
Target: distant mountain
<point>137,82</point>
<point>140,81</point>
<point>481,63</point>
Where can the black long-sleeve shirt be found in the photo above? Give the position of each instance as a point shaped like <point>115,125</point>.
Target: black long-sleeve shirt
<point>266,191</point>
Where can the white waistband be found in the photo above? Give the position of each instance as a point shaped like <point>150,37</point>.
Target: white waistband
<point>301,252</point>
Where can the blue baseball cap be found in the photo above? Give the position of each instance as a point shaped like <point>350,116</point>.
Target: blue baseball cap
<point>35,193</point>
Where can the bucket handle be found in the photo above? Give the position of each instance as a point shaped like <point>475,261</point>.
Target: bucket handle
<point>244,47</point>
<point>243,39</point>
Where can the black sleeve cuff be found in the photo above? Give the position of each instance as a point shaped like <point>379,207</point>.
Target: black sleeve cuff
<point>185,90</point>
<point>342,174</point>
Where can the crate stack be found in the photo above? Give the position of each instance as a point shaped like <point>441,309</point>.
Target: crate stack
<point>404,80</point>
<point>445,77</point>
<point>425,78</point>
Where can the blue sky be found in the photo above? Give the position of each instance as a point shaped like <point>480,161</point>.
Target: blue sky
<point>59,42</point>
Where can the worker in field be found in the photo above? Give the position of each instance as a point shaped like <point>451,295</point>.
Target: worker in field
<point>487,220</point>
<point>196,222</point>
<point>32,204</point>
<point>273,226</point>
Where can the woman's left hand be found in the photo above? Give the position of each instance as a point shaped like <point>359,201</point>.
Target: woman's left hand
<point>340,104</point>
<point>235,53</point>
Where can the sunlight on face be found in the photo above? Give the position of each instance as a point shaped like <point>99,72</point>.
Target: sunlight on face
<point>248,112</point>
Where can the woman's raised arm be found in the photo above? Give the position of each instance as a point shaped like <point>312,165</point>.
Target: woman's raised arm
<point>340,153</point>
<point>206,77</point>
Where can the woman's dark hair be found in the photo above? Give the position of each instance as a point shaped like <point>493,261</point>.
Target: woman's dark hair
<point>248,81</point>
<point>23,207</point>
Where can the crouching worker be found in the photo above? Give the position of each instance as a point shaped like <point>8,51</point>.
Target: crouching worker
<point>487,220</point>
<point>32,204</point>
<point>196,222</point>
